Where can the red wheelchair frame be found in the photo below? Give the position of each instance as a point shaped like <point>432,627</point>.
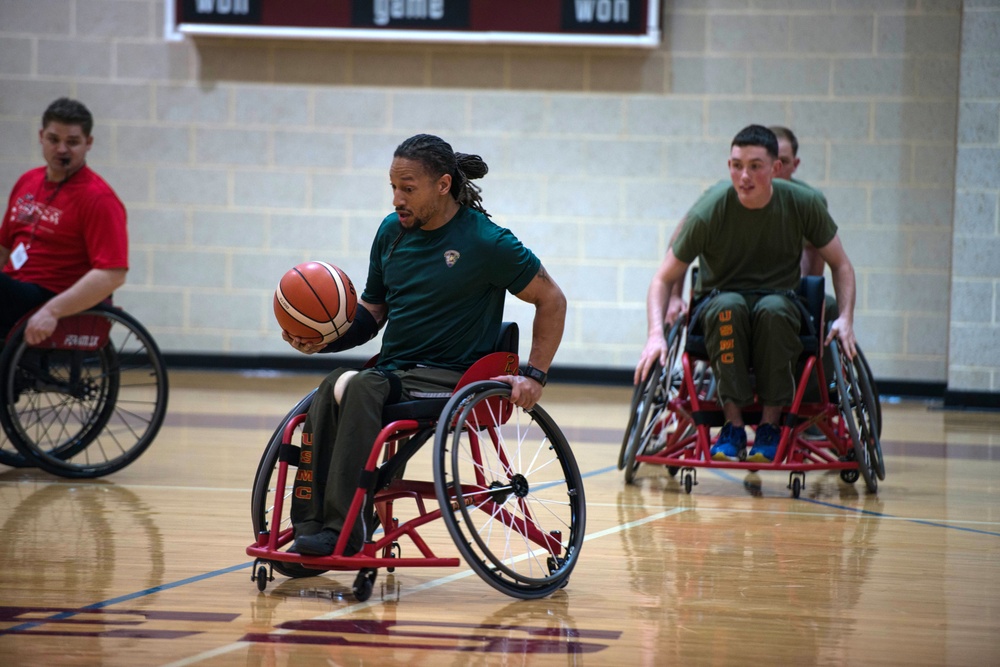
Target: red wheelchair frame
<point>520,528</point>
<point>674,410</point>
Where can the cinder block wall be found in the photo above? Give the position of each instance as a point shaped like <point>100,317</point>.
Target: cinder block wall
<point>974,343</point>
<point>238,158</point>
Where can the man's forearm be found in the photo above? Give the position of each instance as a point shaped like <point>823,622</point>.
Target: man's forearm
<point>845,287</point>
<point>656,302</point>
<point>547,331</point>
<point>93,287</point>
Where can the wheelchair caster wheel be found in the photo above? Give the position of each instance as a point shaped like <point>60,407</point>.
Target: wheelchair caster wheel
<point>395,551</point>
<point>795,482</point>
<point>849,476</point>
<point>364,583</point>
<point>689,476</point>
<point>261,578</point>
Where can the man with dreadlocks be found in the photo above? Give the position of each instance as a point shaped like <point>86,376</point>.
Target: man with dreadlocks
<point>438,272</point>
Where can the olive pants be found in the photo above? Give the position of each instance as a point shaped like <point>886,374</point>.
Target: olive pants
<point>745,330</point>
<point>337,440</point>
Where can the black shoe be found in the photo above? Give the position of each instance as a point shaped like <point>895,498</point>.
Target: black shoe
<point>319,544</point>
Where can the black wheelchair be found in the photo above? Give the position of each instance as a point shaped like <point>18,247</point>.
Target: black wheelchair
<point>505,483</point>
<point>832,424</point>
<point>87,401</point>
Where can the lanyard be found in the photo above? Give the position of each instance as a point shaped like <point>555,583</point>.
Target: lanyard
<point>35,213</point>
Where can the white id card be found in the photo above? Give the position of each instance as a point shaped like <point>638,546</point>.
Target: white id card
<point>19,256</point>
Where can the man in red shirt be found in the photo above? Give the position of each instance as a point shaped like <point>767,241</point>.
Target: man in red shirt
<point>63,239</point>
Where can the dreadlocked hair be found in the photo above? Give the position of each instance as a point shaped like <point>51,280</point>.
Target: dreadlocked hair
<point>437,156</point>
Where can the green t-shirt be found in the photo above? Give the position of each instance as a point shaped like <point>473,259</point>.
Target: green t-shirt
<point>810,187</point>
<point>444,289</point>
<point>745,249</point>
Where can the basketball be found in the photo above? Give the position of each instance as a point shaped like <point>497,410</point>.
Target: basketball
<point>315,301</point>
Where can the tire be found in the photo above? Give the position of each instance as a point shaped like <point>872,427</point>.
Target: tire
<point>635,411</point>
<point>848,395</point>
<point>652,421</point>
<point>872,386</point>
<point>868,412</point>
<point>510,491</point>
<point>85,413</point>
<point>263,494</point>
<point>9,455</point>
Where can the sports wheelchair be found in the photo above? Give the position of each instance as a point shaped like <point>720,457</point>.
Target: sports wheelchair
<point>505,480</point>
<point>832,423</point>
<point>87,401</point>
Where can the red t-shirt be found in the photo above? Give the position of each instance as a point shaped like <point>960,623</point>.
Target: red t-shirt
<point>67,229</point>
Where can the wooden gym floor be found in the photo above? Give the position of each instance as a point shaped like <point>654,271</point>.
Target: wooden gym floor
<point>147,567</point>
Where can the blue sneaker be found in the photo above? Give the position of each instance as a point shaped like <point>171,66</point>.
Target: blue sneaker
<point>765,444</point>
<point>731,441</point>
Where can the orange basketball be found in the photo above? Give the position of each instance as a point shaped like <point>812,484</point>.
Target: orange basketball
<point>315,301</point>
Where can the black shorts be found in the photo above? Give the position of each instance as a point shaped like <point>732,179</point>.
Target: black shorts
<point>18,298</point>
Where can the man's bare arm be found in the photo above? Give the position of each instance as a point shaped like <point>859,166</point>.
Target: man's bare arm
<point>93,287</point>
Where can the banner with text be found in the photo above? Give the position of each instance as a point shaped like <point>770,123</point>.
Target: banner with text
<point>571,22</point>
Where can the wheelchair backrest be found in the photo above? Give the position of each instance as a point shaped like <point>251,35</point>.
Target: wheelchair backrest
<point>508,339</point>
<point>78,332</point>
<point>74,332</point>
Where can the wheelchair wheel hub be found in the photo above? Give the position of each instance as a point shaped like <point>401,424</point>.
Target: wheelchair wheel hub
<point>517,485</point>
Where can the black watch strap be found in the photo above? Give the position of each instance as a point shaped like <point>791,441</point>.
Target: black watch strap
<point>541,377</point>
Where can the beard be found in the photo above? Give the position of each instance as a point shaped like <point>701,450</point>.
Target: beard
<point>415,222</point>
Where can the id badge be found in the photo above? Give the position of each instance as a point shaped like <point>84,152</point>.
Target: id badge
<point>19,256</point>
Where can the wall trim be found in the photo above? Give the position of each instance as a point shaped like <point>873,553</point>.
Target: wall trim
<point>320,363</point>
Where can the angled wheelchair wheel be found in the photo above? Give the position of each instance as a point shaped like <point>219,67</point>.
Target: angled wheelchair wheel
<point>89,401</point>
<point>858,415</point>
<point>9,455</point>
<point>510,491</point>
<point>868,410</point>
<point>651,421</point>
<point>635,410</point>
<point>872,386</point>
<point>262,499</point>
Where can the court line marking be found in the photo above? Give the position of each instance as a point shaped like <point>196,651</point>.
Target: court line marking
<point>937,523</point>
<point>350,609</point>
<point>455,576</point>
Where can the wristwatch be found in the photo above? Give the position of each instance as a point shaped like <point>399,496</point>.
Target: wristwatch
<point>541,377</point>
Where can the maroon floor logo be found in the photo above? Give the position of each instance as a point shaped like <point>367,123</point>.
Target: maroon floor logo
<point>441,636</point>
<point>121,623</point>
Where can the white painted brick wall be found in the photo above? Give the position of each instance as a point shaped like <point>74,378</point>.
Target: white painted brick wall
<point>239,158</point>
